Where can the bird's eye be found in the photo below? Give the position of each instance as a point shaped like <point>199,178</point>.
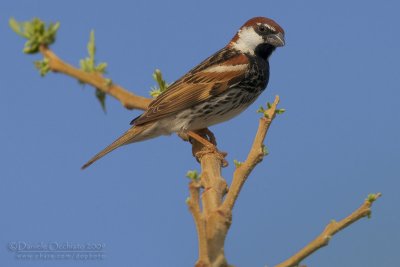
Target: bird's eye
<point>262,28</point>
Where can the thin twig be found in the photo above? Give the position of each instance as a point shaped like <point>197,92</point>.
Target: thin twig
<point>128,100</point>
<point>255,156</point>
<point>332,228</point>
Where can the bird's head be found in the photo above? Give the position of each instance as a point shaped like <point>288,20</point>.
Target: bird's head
<point>259,36</point>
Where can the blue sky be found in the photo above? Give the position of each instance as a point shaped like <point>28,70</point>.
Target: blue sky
<point>338,78</point>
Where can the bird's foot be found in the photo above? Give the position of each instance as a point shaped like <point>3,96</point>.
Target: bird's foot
<point>209,135</point>
<point>209,145</point>
<point>220,154</point>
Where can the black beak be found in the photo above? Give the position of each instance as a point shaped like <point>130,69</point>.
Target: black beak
<point>276,39</point>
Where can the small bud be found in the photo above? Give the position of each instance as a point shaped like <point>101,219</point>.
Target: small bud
<point>237,163</point>
<point>372,197</point>
<point>193,175</point>
<point>36,32</point>
<point>101,67</point>
<point>42,66</point>
<point>108,82</point>
<point>265,150</point>
<point>369,215</point>
<point>88,64</point>
<point>154,92</point>
<point>101,96</point>
<point>280,111</point>
<point>162,85</point>
<point>260,110</point>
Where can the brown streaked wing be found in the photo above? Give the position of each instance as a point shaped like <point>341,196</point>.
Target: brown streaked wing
<point>196,87</point>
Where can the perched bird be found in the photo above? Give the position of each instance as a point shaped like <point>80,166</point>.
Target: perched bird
<point>216,90</point>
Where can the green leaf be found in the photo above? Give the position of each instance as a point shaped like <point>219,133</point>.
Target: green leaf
<point>16,27</point>
<point>31,47</point>
<point>372,197</point>
<point>260,109</point>
<point>101,96</point>
<point>101,67</point>
<point>237,163</point>
<point>53,27</point>
<point>88,64</point>
<point>28,29</point>
<point>36,33</point>
<point>280,111</point>
<point>162,85</point>
<point>193,175</point>
<point>91,47</point>
<point>154,92</point>
<point>42,66</point>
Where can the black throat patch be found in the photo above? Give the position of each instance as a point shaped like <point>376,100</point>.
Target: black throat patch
<point>264,50</point>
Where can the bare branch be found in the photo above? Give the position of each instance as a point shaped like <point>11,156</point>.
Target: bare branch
<point>216,223</point>
<point>254,157</point>
<point>194,207</point>
<point>332,228</point>
<point>127,99</point>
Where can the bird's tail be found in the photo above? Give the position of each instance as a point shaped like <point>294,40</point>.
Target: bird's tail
<point>130,136</point>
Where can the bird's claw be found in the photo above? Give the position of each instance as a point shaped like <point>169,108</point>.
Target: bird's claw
<point>210,135</point>
<point>212,150</point>
<point>206,138</point>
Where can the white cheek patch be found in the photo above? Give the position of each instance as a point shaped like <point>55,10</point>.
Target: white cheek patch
<point>248,40</point>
